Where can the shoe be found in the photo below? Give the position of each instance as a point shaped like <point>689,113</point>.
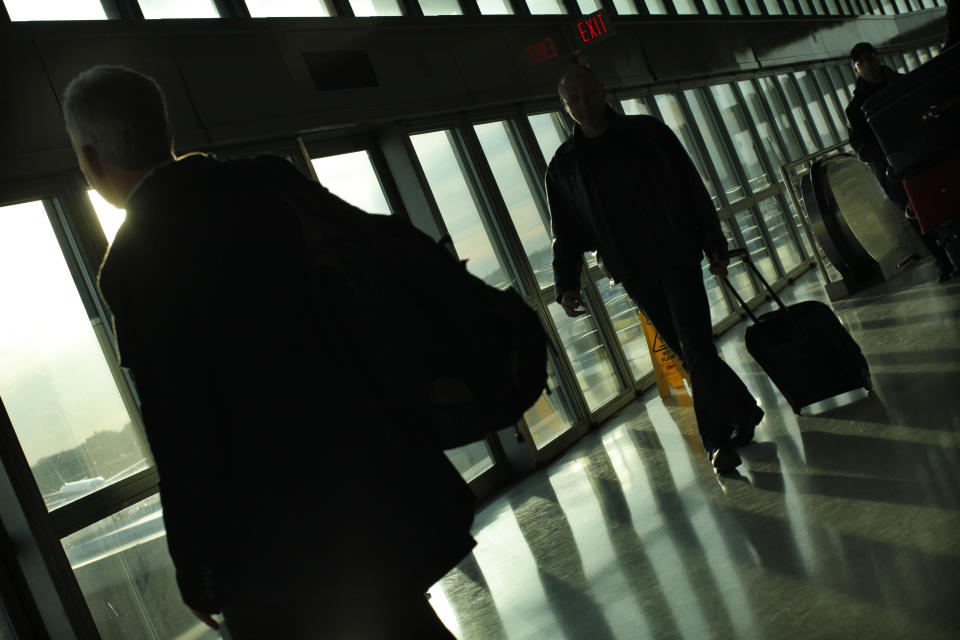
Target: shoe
<point>744,427</point>
<point>724,460</point>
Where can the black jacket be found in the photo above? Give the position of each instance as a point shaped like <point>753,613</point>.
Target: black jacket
<point>279,476</point>
<point>862,138</point>
<point>672,211</point>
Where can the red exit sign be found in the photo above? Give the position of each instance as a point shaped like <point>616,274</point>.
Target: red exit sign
<point>592,27</point>
<point>542,51</point>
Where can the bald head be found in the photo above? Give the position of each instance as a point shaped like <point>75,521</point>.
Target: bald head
<point>582,94</point>
<point>580,75</point>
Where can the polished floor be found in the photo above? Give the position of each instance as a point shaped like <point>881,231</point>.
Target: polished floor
<point>843,523</point>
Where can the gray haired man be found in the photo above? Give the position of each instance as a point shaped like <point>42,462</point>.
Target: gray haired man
<point>281,510</point>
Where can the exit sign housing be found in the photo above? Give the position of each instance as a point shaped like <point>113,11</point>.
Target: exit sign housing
<point>592,28</point>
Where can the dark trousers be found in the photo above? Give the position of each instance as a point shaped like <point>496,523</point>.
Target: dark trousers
<point>406,617</point>
<point>675,301</point>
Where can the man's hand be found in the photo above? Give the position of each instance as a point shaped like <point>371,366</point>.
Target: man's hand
<point>572,303</point>
<point>206,619</point>
<point>718,264</point>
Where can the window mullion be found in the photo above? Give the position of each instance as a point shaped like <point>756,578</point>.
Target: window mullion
<point>773,172</point>
<point>715,121</point>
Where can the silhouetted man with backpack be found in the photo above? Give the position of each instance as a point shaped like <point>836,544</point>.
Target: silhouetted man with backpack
<point>294,500</point>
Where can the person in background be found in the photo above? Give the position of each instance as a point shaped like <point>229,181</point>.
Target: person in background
<point>290,503</point>
<point>625,186</point>
<point>874,77</point>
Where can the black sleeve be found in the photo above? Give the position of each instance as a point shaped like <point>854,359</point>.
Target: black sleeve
<point>862,139</point>
<point>570,238</point>
<point>152,313</point>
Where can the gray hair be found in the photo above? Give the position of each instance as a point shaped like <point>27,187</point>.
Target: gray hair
<point>121,113</point>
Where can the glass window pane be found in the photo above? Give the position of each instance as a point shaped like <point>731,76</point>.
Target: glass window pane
<point>588,6</point>
<point>753,7</point>
<point>753,237</point>
<point>656,7</point>
<point>791,7</point>
<point>625,7</point>
<point>713,7</point>
<point>458,209</point>
<point>673,117</point>
<point>719,309</point>
<point>494,7</point>
<point>553,414</point>
<point>440,8</point>
<point>55,382</point>
<point>887,6</point>
<point>721,163</point>
<point>733,7</point>
<point>685,7</point>
<point>471,460</point>
<point>924,55</point>
<point>849,77</point>
<point>832,7</point>
<point>839,86</point>
<point>902,6</point>
<point>811,95</point>
<point>128,579</point>
<point>763,126</point>
<point>789,135</point>
<point>527,217</point>
<point>289,8</point>
<point>155,9</point>
<point>625,318</point>
<point>588,355</point>
<point>350,176</point>
<point>369,8</point>
<point>548,132</point>
<point>778,227</point>
<point>737,124</point>
<point>635,107</point>
<point>834,107</point>
<point>773,7</point>
<point>546,7</point>
<point>737,272</point>
<point>805,8</point>
<point>22,10</point>
<point>811,143</point>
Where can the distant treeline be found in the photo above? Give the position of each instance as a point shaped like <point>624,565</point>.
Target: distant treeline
<point>105,453</point>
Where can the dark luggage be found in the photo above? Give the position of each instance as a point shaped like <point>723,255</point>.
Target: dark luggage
<point>918,116</point>
<point>935,191</point>
<point>803,348</point>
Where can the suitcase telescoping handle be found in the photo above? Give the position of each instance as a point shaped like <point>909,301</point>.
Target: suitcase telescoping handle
<point>744,255</point>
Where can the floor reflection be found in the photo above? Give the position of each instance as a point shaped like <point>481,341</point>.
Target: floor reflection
<point>843,521</point>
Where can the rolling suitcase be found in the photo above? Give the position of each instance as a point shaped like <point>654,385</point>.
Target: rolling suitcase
<point>803,348</point>
<point>918,116</point>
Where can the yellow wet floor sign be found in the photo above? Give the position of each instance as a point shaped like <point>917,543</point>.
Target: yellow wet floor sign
<point>666,365</point>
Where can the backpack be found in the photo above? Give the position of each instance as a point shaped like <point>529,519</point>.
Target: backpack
<point>433,341</point>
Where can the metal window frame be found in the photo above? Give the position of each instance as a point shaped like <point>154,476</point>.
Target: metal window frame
<point>730,210</point>
<point>495,216</point>
<point>727,140</point>
<point>769,166</point>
